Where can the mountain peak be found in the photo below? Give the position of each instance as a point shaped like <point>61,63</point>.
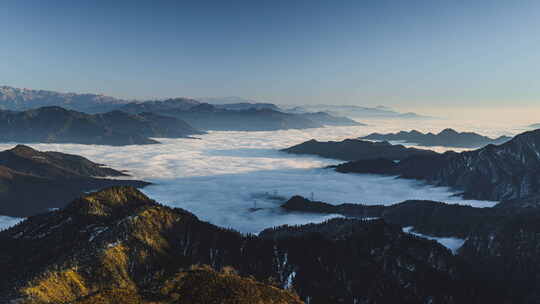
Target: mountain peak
<point>110,202</point>
<point>23,150</point>
<point>448,131</point>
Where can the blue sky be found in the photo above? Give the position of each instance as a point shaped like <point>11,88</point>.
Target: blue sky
<point>405,54</point>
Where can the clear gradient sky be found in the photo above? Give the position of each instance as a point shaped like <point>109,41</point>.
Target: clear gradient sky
<point>405,54</point>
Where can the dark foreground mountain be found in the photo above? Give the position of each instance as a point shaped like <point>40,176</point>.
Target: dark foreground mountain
<point>354,149</point>
<point>504,172</point>
<point>445,138</point>
<point>501,243</point>
<point>32,182</point>
<point>118,246</point>
<point>58,125</point>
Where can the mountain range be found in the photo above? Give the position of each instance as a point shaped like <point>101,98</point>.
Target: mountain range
<point>238,115</point>
<point>32,182</point>
<point>118,246</point>
<point>24,99</point>
<point>57,125</point>
<point>357,111</point>
<point>210,117</point>
<point>503,172</point>
<point>445,138</point>
<point>354,149</point>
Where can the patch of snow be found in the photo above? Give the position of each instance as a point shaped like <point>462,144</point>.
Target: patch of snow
<point>451,243</point>
<point>289,281</point>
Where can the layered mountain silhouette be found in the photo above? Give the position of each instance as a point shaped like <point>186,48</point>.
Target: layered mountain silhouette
<point>58,125</point>
<point>32,182</point>
<point>445,138</point>
<point>354,149</point>
<point>118,246</point>
<point>242,106</point>
<point>234,115</point>
<point>160,106</point>
<point>379,112</point>
<point>331,120</point>
<point>503,172</point>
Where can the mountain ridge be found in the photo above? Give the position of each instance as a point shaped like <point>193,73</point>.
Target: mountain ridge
<point>500,242</point>
<point>355,149</point>
<point>57,177</point>
<point>504,172</point>
<point>240,115</point>
<point>59,125</point>
<point>120,240</point>
<point>446,138</point>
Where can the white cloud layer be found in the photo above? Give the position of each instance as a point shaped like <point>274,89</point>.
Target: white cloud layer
<point>222,175</point>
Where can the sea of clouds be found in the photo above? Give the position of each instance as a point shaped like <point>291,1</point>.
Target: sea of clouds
<point>239,179</point>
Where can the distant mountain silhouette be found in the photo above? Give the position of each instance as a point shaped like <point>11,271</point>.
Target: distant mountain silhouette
<point>58,125</point>
<point>242,106</point>
<point>208,117</point>
<point>354,149</point>
<point>238,117</point>
<point>445,138</point>
<point>228,100</point>
<point>160,106</point>
<point>535,126</point>
<point>24,99</point>
<point>330,120</point>
<point>32,182</point>
<point>205,116</point>
<point>227,114</point>
<point>359,111</point>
